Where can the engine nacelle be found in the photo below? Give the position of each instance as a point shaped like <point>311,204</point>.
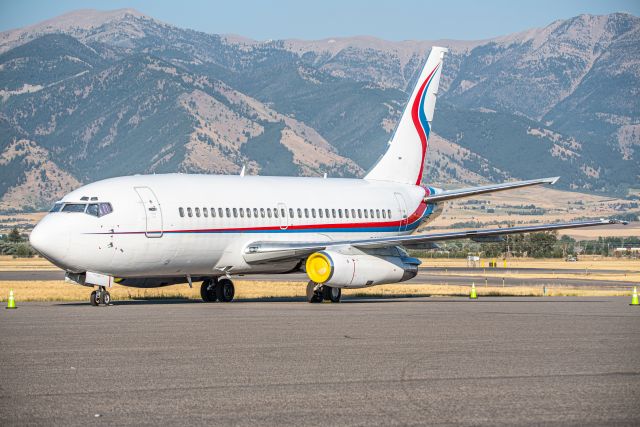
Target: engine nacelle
<point>359,270</point>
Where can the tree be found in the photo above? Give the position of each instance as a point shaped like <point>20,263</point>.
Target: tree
<point>23,251</point>
<point>14,236</point>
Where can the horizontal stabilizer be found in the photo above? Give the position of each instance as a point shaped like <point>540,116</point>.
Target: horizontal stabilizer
<point>474,191</point>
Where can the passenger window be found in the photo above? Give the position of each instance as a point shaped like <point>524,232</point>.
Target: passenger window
<point>235,212</point>
<point>189,212</point>
<point>92,209</point>
<point>366,214</point>
<point>359,213</point>
<point>269,212</point>
<point>313,212</point>
<point>275,213</point>
<point>306,213</point>
<point>339,213</point>
<point>205,212</point>
<point>333,213</point>
<point>198,212</point>
<point>320,213</point>
<point>255,212</point>
<point>248,212</point>
<point>389,213</point>
<point>262,212</point>
<point>299,213</point>
<point>384,214</point>
<point>371,213</point>
<point>181,211</point>
<point>241,212</point>
<point>220,213</point>
<point>378,213</point>
<point>228,212</point>
<point>353,213</point>
<point>290,212</point>
<point>213,212</point>
<point>346,213</point>
<point>326,213</point>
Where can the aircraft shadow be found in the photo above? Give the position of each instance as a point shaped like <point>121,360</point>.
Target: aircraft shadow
<point>348,300</point>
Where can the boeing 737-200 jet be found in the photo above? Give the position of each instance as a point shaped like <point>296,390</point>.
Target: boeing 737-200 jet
<point>158,230</point>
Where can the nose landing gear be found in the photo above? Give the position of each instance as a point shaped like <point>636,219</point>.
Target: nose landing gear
<point>100,297</point>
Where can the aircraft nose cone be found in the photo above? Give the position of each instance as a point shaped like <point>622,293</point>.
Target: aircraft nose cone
<point>51,241</point>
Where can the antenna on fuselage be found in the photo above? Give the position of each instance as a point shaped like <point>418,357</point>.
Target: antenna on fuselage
<point>242,171</point>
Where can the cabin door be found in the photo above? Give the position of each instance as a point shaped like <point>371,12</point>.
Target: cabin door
<point>402,209</point>
<point>152,211</point>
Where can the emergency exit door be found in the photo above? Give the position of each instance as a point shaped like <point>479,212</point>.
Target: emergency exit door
<point>152,211</point>
<point>402,209</point>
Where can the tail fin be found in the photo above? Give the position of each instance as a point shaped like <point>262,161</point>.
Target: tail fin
<point>404,160</point>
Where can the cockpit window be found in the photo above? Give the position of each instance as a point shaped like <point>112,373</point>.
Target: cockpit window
<point>104,209</point>
<point>56,207</point>
<point>92,209</point>
<point>99,209</point>
<point>74,207</point>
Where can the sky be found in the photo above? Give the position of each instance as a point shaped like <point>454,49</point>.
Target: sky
<point>280,19</point>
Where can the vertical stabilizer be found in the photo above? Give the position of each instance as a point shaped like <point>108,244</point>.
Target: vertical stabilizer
<point>404,160</point>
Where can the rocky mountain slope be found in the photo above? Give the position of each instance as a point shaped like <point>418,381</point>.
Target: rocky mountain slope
<point>91,94</point>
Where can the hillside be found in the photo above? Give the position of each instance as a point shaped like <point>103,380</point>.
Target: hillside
<point>92,94</point>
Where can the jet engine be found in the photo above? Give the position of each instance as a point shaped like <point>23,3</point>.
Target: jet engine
<point>358,270</point>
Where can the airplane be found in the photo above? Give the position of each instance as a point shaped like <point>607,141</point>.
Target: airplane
<point>158,230</point>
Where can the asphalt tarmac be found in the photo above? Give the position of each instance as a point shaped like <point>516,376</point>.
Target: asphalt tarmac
<point>425,276</point>
<point>417,361</point>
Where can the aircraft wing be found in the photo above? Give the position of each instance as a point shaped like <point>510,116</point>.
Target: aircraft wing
<point>266,251</point>
<point>474,191</point>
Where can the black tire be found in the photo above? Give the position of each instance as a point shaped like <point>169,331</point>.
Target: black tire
<point>208,291</point>
<point>225,290</point>
<point>335,294</point>
<point>93,299</point>
<point>105,298</point>
<point>312,296</point>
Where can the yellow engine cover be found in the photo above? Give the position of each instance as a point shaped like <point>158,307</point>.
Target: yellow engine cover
<point>319,267</point>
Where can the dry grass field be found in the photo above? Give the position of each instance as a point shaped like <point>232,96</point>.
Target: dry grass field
<point>9,263</point>
<point>62,291</point>
<point>626,271</point>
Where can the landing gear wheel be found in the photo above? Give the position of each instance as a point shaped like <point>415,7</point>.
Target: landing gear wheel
<point>225,290</point>
<point>105,298</point>
<point>208,291</point>
<point>312,295</point>
<point>334,294</point>
<point>93,299</point>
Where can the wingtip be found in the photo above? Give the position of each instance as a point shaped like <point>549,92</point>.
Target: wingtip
<point>620,221</point>
<point>553,180</point>
<point>615,221</point>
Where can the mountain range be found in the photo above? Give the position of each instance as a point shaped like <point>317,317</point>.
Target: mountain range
<point>91,94</point>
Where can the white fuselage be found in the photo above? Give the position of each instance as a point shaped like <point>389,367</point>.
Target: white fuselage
<point>158,226</point>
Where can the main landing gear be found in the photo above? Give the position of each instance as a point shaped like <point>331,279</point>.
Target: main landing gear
<point>318,293</point>
<point>100,297</point>
<point>215,289</point>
